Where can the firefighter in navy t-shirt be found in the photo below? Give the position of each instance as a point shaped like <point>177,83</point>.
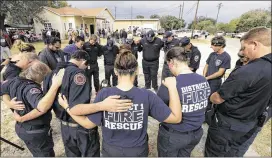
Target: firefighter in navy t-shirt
<point>178,140</point>
<point>125,134</point>
<point>216,65</point>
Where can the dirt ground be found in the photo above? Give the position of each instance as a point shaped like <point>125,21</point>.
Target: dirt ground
<point>260,147</point>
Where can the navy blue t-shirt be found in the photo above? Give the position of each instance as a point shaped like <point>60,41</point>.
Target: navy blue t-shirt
<point>129,129</point>
<point>194,91</point>
<point>217,61</point>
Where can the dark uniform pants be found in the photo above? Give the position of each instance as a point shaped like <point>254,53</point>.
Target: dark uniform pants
<point>214,85</point>
<point>223,139</point>
<point>93,70</point>
<point>150,70</point>
<point>177,144</point>
<point>166,72</point>
<point>109,71</point>
<point>37,139</point>
<point>114,151</point>
<point>80,142</point>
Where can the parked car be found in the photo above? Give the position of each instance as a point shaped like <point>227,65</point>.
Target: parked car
<point>220,33</point>
<point>240,35</point>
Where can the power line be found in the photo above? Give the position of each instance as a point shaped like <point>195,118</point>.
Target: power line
<point>149,10</point>
<point>191,9</point>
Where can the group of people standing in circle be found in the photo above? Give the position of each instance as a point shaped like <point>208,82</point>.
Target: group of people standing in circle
<point>62,81</point>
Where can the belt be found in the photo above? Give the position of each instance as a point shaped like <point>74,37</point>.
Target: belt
<point>175,131</point>
<point>151,60</point>
<point>69,124</point>
<point>32,127</point>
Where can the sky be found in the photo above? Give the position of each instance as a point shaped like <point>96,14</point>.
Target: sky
<point>228,11</point>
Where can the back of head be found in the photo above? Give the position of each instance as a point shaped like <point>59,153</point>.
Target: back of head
<point>259,34</point>
<point>177,53</point>
<point>36,72</point>
<point>80,55</point>
<point>125,63</point>
<point>125,46</point>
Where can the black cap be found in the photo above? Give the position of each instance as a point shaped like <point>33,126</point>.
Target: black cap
<point>167,34</point>
<point>185,41</point>
<point>149,35</point>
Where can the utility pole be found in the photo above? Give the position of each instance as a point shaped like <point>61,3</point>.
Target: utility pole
<point>131,17</point>
<point>115,12</point>
<point>182,14</point>
<point>219,7</point>
<point>179,11</point>
<point>195,19</point>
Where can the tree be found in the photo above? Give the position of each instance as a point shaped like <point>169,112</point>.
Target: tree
<point>20,11</point>
<point>171,22</point>
<point>57,4</point>
<point>139,17</point>
<point>203,18</point>
<point>233,24</point>
<point>203,25</point>
<point>253,18</point>
<point>154,16</point>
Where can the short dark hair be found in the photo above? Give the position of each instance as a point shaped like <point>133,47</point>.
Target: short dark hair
<point>178,53</point>
<point>218,41</point>
<point>79,38</point>
<point>80,54</point>
<point>54,40</point>
<point>260,34</point>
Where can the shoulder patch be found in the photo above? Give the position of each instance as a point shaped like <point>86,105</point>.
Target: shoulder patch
<point>196,58</point>
<point>34,91</point>
<point>79,79</point>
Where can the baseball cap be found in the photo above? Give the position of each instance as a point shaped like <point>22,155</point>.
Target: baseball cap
<point>185,41</point>
<point>149,35</point>
<point>167,34</point>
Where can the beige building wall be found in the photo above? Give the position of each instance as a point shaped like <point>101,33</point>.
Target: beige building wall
<point>65,20</point>
<point>124,24</point>
<point>108,17</point>
<point>49,17</point>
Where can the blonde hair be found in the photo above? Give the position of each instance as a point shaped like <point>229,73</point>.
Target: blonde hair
<point>36,72</point>
<point>23,47</point>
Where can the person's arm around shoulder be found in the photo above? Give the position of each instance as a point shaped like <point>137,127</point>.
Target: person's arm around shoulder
<point>110,104</point>
<point>174,101</point>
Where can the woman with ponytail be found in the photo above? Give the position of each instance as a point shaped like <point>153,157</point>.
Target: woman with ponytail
<point>178,140</point>
<point>125,132</point>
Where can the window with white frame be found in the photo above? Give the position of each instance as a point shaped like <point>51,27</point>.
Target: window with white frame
<point>47,26</point>
<point>70,25</point>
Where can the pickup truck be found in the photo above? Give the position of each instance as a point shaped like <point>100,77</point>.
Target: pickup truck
<point>188,33</point>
